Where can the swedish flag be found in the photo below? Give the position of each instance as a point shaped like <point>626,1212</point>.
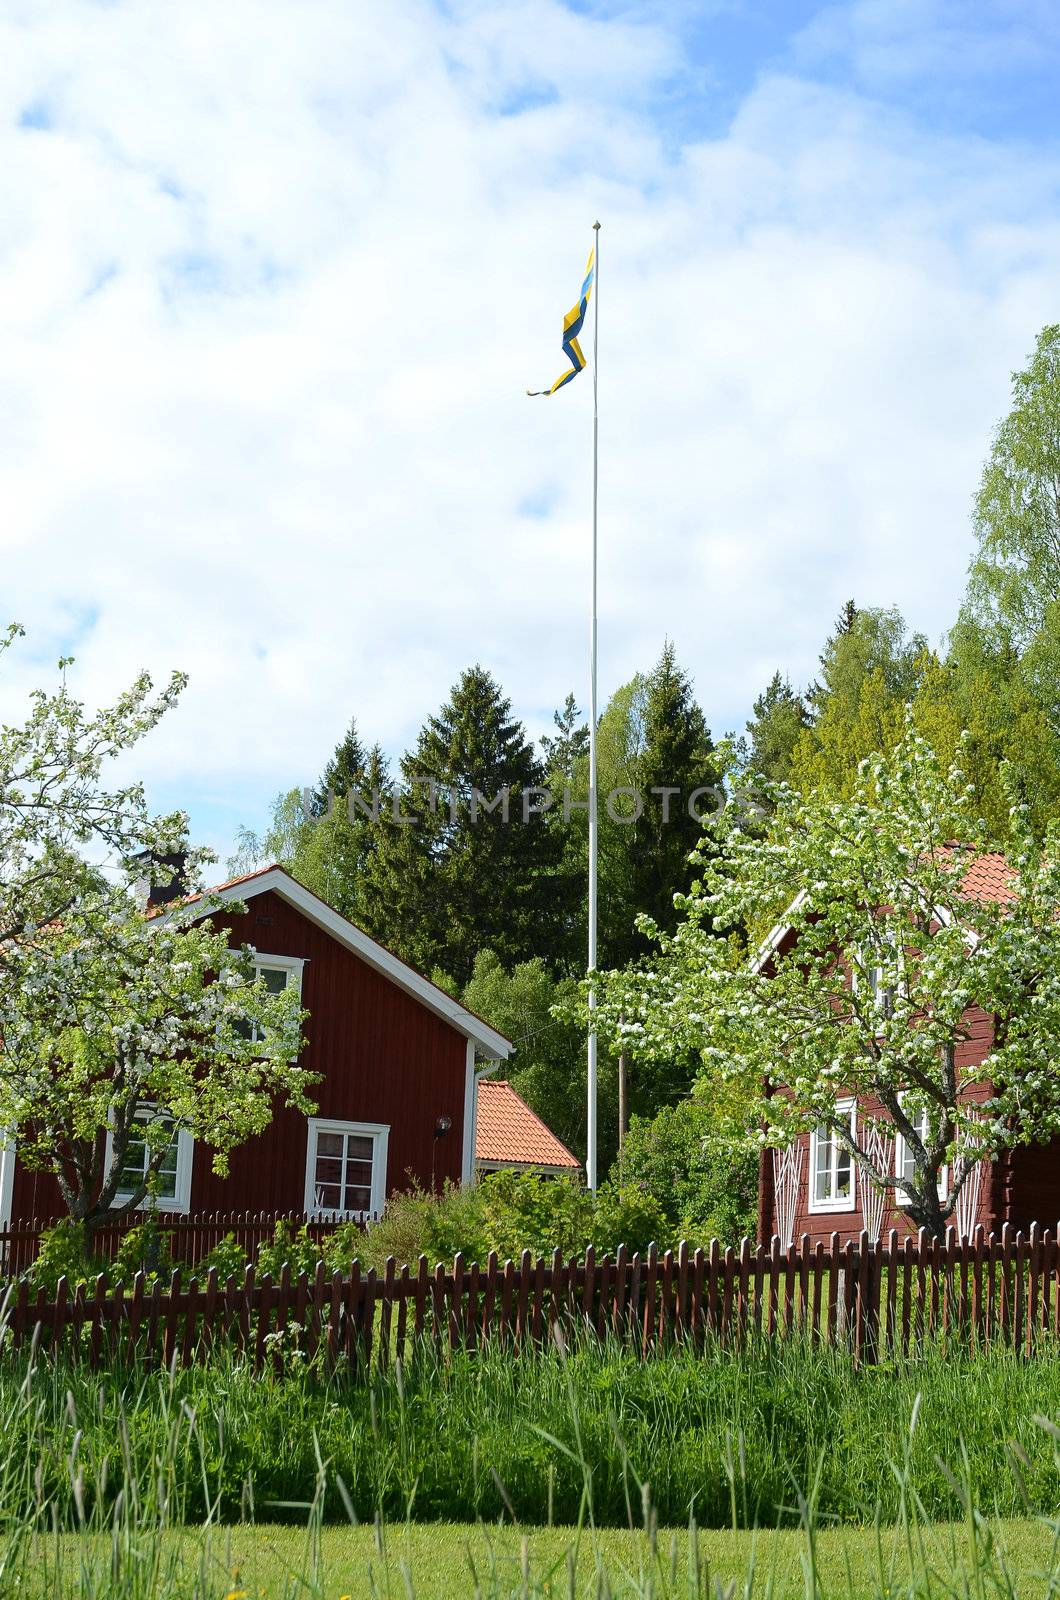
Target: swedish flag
<point>572,326</point>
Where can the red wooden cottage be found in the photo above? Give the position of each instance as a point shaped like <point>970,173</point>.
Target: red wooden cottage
<point>815,1188</point>
<point>400,1063</point>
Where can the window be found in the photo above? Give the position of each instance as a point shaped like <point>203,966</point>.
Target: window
<point>278,972</point>
<point>174,1174</point>
<point>904,1164</point>
<point>346,1167</point>
<point>831,1167</point>
<point>883,997</point>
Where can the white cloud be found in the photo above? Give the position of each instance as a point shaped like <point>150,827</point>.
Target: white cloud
<point>273,278</point>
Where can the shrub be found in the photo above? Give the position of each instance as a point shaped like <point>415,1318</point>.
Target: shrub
<point>144,1248</point>
<point>628,1215</point>
<point>227,1256</point>
<point>417,1222</point>
<point>63,1253</point>
<point>524,1211</point>
<point>296,1250</point>
<point>344,1245</point>
<point>704,1178</point>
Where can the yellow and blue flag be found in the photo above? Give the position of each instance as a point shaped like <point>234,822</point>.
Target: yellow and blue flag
<point>572,326</point>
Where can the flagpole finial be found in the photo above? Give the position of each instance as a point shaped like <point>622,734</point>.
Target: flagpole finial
<point>596,227</point>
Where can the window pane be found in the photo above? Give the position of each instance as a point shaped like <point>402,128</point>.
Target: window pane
<point>823,1175</point>
<point>275,978</point>
<point>842,1174</point>
<point>342,1170</point>
<point>328,1170</point>
<point>137,1157</point>
<point>132,1173</point>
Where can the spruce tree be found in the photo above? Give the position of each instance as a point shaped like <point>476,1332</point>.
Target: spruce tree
<point>569,744</point>
<point>779,718</point>
<point>332,848</point>
<point>344,771</point>
<point>463,877</point>
<point>677,754</point>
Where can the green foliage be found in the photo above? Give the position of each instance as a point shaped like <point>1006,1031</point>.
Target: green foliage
<point>626,1213</point>
<point>416,1222</point>
<point>523,1211</point>
<point>228,1258</point>
<point>510,1212</point>
<point>726,1436</point>
<point>780,717</point>
<point>110,1018</point>
<point>870,671</point>
<point>548,1067</point>
<point>702,1173</point>
<point>1015,577</point>
<point>652,736</point>
<point>288,1246</point>
<point>462,877</point>
<point>869,993</point>
<point>63,1253</point>
<point>144,1248</point>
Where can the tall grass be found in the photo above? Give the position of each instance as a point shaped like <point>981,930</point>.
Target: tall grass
<point>115,1486</point>
<point>723,1437</point>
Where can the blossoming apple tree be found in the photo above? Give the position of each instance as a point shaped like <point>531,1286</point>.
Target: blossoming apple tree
<point>115,1022</point>
<point>880,952</point>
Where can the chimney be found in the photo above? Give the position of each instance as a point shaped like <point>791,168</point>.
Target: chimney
<point>170,869</point>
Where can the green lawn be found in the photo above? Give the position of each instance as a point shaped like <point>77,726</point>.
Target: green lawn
<point>447,1561</point>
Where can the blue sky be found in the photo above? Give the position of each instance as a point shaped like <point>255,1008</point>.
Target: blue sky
<point>274,276</point>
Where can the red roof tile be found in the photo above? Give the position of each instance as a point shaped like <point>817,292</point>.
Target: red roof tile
<point>507,1130</point>
<point>990,878</point>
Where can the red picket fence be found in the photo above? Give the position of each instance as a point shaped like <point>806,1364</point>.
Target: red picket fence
<point>189,1238</point>
<point>882,1299</point>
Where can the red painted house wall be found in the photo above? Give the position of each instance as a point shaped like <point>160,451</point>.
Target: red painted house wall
<point>383,1058</point>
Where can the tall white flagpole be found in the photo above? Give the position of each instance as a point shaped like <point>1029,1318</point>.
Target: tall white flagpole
<point>590,1139</point>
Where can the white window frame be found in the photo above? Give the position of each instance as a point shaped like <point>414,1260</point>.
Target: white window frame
<point>882,999</point>
<point>901,1150</point>
<point>180,1201</point>
<point>844,1202</point>
<point>378,1132</point>
<point>292,965</point>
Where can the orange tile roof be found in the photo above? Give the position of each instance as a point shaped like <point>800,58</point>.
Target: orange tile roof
<point>990,878</point>
<point>507,1130</point>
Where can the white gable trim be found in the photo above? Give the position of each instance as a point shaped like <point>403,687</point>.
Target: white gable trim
<point>491,1043</point>
<point>769,946</point>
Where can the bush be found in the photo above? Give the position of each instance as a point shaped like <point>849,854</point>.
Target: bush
<point>627,1215</point>
<point>508,1212</point>
<point>144,1248</point>
<point>524,1211</point>
<point>346,1244</point>
<point>704,1179</point>
<point>417,1222</point>
<point>296,1250</point>
<point>63,1253</point>
<point>228,1257</point>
